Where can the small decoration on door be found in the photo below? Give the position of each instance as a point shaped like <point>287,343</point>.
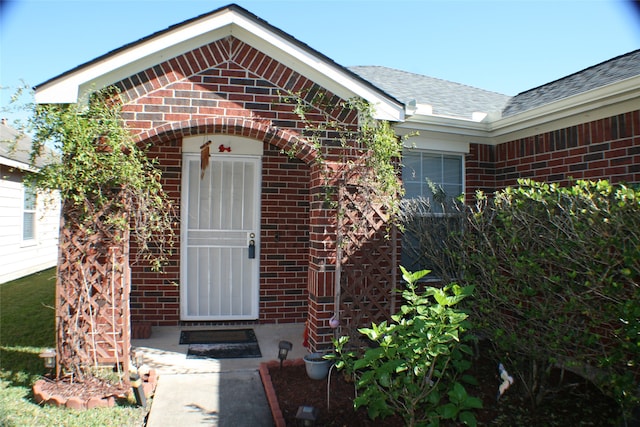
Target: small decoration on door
<point>222,148</point>
<point>204,157</point>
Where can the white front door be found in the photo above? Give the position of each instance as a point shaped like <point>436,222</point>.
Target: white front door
<point>220,238</point>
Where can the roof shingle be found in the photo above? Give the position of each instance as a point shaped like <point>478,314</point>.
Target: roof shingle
<point>17,147</point>
<point>447,98</point>
<point>608,72</point>
<point>458,100</point>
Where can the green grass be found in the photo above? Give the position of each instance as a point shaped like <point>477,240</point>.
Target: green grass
<point>27,326</point>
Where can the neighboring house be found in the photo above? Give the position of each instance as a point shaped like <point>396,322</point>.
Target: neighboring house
<point>219,77</point>
<point>29,221</point>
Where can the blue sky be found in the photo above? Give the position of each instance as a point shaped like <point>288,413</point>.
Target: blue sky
<point>503,46</point>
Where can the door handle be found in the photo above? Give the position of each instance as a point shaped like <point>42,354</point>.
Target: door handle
<point>252,249</point>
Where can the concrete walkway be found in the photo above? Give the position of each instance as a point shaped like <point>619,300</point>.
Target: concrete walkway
<point>210,392</point>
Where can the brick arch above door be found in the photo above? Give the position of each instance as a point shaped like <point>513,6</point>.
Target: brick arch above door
<point>260,130</point>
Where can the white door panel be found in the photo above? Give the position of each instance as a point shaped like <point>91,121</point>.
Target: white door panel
<point>221,212</point>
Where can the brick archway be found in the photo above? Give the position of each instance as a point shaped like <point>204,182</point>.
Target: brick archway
<point>320,255</point>
<point>228,87</point>
<point>261,130</point>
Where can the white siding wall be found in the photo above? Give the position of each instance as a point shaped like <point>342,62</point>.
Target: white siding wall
<point>19,258</point>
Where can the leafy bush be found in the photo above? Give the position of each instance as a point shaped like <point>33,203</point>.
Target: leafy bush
<point>556,271</point>
<point>103,170</point>
<point>431,235</point>
<point>111,192</point>
<point>417,365</point>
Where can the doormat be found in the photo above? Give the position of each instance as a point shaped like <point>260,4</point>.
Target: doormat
<point>221,344</point>
<point>217,336</point>
<point>223,351</point>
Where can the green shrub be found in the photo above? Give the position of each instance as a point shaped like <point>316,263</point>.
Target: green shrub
<point>556,272</point>
<point>417,365</point>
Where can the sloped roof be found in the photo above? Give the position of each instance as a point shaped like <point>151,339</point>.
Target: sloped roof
<point>188,35</point>
<point>614,70</point>
<point>447,98</point>
<point>13,146</point>
<point>15,149</point>
<point>459,100</point>
<point>387,88</point>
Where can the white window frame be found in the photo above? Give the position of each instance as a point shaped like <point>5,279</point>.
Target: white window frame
<point>31,211</point>
<point>442,155</point>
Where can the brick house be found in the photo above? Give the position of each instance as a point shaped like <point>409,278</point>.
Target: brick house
<point>256,242</point>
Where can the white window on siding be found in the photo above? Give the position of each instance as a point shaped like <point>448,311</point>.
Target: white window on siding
<point>438,179</point>
<point>29,214</point>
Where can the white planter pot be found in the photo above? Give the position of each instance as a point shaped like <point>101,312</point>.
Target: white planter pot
<point>317,367</point>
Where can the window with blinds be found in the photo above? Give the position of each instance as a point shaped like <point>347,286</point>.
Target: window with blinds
<point>432,182</point>
<point>29,214</point>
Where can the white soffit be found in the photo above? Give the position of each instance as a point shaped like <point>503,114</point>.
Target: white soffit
<point>435,143</point>
<point>459,132</point>
<point>10,163</point>
<point>174,42</point>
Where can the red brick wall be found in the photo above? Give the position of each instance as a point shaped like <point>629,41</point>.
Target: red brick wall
<point>602,149</point>
<point>285,238</point>
<point>155,297</point>
<point>228,87</point>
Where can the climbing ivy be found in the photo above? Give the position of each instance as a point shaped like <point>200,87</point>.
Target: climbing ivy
<point>370,151</point>
<point>99,165</point>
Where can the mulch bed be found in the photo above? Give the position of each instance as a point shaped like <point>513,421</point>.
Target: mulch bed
<point>575,402</point>
<point>293,389</point>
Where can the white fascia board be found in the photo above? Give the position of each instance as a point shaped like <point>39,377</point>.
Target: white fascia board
<point>599,103</point>
<point>126,69</point>
<point>17,165</point>
<point>445,128</point>
<point>158,49</point>
<point>134,59</point>
<point>316,69</point>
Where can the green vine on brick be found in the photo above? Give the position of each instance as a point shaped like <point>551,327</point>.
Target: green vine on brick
<point>370,151</point>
